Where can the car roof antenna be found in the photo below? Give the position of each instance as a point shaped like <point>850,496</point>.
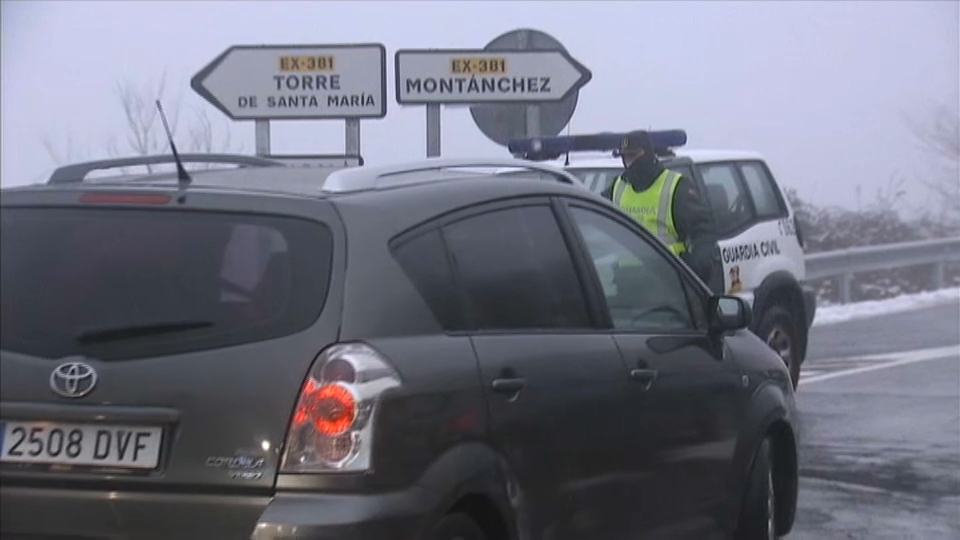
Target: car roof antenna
<point>183,177</point>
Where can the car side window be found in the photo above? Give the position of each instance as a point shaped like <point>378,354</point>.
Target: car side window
<point>764,196</point>
<point>643,289</point>
<point>516,270</point>
<point>424,260</point>
<point>731,207</point>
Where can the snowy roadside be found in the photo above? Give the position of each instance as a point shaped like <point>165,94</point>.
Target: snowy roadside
<point>873,308</point>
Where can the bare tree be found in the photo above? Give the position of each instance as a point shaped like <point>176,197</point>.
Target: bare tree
<point>65,153</point>
<point>143,134</point>
<point>201,138</point>
<point>939,135</point>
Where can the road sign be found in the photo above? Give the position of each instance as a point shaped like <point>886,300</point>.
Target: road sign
<point>448,76</point>
<point>503,122</point>
<point>297,82</point>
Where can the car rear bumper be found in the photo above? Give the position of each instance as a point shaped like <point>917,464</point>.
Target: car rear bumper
<point>31,513</point>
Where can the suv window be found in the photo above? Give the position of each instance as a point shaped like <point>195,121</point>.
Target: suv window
<point>516,270</point>
<point>424,259</point>
<point>67,272</point>
<point>684,170</point>
<point>643,289</point>
<point>730,203</point>
<point>760,185</point>
<point>596,180</point>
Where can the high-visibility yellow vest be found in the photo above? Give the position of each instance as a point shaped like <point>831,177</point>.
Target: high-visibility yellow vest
<point>653,207</point>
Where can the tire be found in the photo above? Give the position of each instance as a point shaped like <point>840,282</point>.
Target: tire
<point>780,331</point>
<point>758,511</point>
<point>457,526</point>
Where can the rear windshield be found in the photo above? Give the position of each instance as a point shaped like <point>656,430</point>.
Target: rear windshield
<point>115,284</point>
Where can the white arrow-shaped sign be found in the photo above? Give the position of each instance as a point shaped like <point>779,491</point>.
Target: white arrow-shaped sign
<point>296,82</point>
<point>475,76</point>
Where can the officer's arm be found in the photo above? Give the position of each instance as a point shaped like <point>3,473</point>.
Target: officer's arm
<point>691,215</point>
<point>694,223</point>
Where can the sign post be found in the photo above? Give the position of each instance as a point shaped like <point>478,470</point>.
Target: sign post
<point>533,121</point>
<point>434,78</point>
<point>433,130</point>
<point>261,132</point>
<point>351,137</point>
<point>297,82</point>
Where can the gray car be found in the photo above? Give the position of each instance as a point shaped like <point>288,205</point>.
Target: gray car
<point>424,351</point>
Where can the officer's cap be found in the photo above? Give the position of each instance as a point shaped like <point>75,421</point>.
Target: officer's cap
<point>636,140</point>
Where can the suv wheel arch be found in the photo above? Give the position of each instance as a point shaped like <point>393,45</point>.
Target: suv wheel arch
<point>782,289</point>
<point>785,475</point>
<point>472,479</point>
<point>768,420</point>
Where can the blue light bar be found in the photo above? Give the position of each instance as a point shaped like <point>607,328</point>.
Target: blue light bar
<point>547,148</point>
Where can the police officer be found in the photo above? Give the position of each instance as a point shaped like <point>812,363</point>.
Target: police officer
<point>668,205</point>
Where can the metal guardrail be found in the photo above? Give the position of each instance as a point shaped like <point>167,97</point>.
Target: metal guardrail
<point>845,262</point>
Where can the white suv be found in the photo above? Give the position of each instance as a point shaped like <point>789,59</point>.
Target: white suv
<point>761,245</point>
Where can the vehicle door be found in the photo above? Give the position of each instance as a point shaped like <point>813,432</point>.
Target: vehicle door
<point>757,236</point>
<point>685,397</point>
<point>555,385</point>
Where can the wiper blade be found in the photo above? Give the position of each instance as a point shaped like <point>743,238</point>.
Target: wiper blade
<point>143,330</point>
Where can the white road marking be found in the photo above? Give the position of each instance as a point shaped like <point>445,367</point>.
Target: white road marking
<point>890,360</point>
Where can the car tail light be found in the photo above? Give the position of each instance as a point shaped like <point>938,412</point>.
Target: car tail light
<point>332,425</point>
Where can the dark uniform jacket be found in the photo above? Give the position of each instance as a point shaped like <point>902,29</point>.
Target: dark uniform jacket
<point>691,216</point>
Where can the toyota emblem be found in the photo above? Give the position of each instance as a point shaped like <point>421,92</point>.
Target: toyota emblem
<point>73,379</point>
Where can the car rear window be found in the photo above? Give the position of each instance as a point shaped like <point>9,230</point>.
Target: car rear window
<point>120,283</point>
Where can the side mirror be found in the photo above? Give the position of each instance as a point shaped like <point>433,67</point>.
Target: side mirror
<point>729,313</point>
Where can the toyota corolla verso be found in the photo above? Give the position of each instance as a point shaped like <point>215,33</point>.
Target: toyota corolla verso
<point>425,351</point>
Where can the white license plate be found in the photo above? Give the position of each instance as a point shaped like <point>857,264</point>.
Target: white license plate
<point>131,447</point>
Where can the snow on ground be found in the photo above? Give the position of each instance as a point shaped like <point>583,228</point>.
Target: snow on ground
<point>873,308</point>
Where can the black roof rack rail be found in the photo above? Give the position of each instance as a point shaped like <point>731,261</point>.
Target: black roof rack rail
<point>77,172</point>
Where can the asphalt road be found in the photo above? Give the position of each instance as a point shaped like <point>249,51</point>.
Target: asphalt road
<point>919,329</point>
<point>880,447</point>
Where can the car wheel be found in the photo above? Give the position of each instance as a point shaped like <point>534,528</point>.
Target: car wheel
<point>778,328</point>
<point>457,526</point>
<point>758,516</point>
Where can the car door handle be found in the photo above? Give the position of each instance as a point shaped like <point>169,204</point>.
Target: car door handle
<point>645,376</point>
<point>508,386</point>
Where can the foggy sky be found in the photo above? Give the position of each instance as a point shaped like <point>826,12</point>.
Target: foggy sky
<point>820,88</point>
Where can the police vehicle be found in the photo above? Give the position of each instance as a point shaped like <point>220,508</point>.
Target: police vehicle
<point>761,244</point>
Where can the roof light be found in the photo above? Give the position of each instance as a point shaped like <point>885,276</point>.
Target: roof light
<point>547,148</point>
